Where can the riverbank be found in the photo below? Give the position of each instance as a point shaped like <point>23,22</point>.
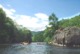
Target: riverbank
<point>23,43</point>
<point>61,45</point>
<point>56,44</point>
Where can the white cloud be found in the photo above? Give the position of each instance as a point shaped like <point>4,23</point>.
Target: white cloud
<point>10,12</point>
<point>32,23</point>
<point>36,23</point>
<point>0,6</point>
<point>41,16</point>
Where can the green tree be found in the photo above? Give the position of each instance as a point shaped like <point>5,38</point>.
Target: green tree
<point>38,37</point>
<point>75,21</point>
<point>2,26</point>
<point>53,26</point>
<point>10,27</point>
<point>10,32</point>
<point>53,21</point>
<point>24,35</point>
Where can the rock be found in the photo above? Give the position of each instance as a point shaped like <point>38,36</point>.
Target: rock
<point>69,36</point>
<point>24,43</point>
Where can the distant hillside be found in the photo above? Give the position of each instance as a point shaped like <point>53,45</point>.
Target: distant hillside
<point>35,32</point>
<point>37,36</point>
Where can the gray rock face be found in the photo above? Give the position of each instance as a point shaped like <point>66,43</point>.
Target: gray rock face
<point>69,36</point>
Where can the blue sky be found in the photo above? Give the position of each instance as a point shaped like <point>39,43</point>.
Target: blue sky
<point>33,14</point>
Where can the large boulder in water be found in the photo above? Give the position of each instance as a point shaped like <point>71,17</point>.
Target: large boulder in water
<point>69,36</point>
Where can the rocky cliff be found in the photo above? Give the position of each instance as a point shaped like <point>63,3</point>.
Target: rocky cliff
<point>69,36</point>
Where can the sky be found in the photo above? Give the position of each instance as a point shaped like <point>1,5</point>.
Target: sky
<point>34,14</point>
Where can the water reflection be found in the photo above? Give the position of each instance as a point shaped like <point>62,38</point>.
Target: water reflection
<point>36,48</point>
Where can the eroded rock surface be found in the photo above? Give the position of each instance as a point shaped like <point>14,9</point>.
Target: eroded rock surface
<point>69,36</point>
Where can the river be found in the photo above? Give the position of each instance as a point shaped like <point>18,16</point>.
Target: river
<point>37,48</point>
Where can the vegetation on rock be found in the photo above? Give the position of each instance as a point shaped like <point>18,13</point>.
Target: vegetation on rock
<point>56,30</point>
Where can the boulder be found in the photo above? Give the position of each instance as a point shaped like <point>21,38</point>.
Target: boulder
<point>69,36</point>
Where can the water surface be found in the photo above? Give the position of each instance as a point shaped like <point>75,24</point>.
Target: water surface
<point>37,48</point>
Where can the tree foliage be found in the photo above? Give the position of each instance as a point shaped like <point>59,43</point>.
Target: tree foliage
<point>75,21</point>
<point>38,37</point>
<point>47,34</point>
<point>55,24</point>
<point>10,32</point>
